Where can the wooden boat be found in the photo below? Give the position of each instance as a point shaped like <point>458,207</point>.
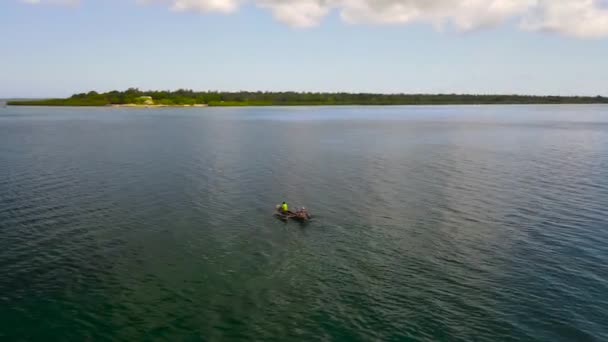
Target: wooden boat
<point>301,214</point>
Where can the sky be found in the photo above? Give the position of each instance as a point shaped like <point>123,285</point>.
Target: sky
<point>54,48</point>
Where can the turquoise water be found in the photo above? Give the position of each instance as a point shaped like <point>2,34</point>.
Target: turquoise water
<point>484,223</point>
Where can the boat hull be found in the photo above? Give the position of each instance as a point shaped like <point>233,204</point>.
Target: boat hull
<point>301,216</point>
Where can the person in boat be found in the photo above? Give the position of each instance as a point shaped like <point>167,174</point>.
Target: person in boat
<point>284,207</point>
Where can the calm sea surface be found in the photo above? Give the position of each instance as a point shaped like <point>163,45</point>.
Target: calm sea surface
<point>485,223</point>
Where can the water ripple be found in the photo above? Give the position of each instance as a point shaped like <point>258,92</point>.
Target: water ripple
<point>472,225</point>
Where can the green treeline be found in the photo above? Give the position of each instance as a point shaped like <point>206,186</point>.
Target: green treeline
<point>214,98</point>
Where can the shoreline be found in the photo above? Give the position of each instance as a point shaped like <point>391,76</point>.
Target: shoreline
<point>154,106</point>
<point>134,98</point>
<point>135,106</point>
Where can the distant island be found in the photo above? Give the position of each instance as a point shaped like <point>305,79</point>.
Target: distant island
<point>137,98</point>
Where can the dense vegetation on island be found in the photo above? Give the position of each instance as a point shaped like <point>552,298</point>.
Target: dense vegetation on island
<point>214,98</point>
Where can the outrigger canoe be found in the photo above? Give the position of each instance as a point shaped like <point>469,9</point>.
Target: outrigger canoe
<point>301,214</point>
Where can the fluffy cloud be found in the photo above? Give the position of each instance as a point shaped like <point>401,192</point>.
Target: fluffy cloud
<point>298,13</point>
<point>581,18</point>
<point>222,6</point>
<point>465,15</point>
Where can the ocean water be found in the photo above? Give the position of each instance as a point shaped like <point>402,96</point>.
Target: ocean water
<point>448,223</point>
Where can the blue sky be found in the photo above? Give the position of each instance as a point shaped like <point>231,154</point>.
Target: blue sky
<point>59,47</point>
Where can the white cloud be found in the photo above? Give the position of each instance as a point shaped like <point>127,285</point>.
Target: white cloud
<point>297,13</point>
<point>222,6</point>
<point>581,18</point>
<point>463,14</point>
